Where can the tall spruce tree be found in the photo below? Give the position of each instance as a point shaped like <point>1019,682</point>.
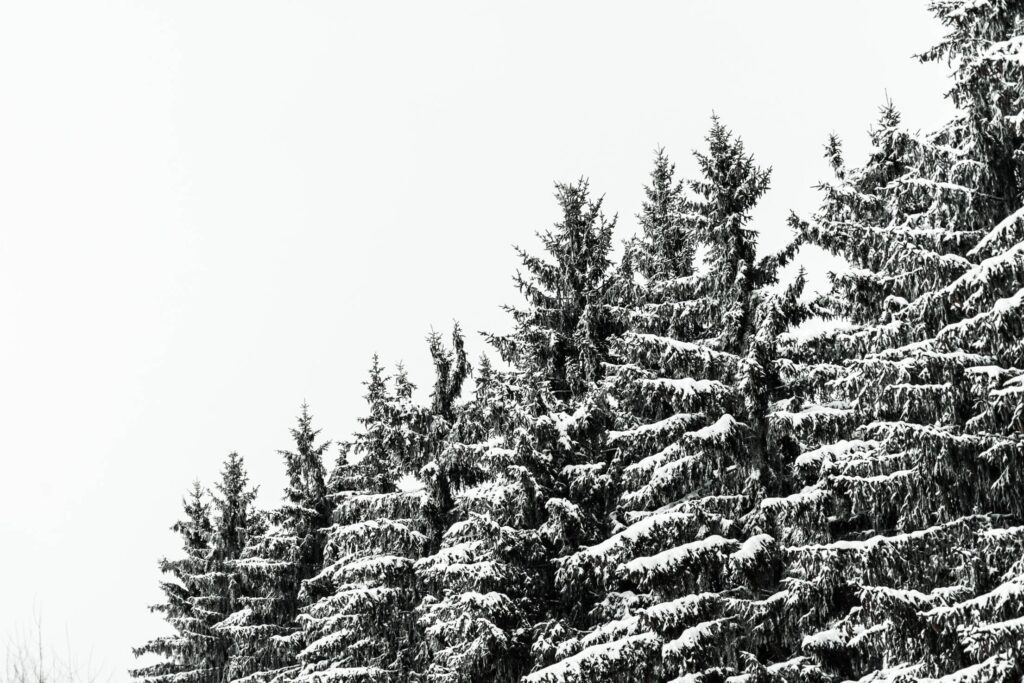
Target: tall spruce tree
<point>983,44</point>
<point>561,336</point>
<point>664,594</point>
<point>473,623</point>
<point>471,628</point>
<point>924,528</point>
<point>443,427</point>
<point>359,624</point>
<point>208,587</point>
<point>235,519</point>
<point>492,577</point>
<point>667,247</point>
<point>378,450</point>
<point>191,653</point>
<point>265,633</point>
<point>674,481</point>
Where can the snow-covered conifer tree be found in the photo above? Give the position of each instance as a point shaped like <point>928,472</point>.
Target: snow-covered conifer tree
<point>471,627</point>
<point>515,446</point>
<point>561,336</point>
<point>915,573</point>
<point>378,451</point>
<point>472,622</point>
<point>265,634</point>
<point>191,654</point>
<point>673,480</point>
<point>665,592</point>
<point>209,587</point>
<point>359,624</point>
<point>444,469</point>
<point>235,520</point>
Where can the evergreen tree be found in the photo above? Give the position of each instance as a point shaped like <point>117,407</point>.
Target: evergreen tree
<point>471,628</point>
<point>908,524</point>
<point>191,653</point>
<point>665,592</point>
<point>207,587</point>
<point>235,522</point>
<point>667,247</point>
<point>444,429</point>
<point>728,189</point>
<point>360,622</point>
<point>674,480</point>
<point>379,447</point>
<point>492,577</point>
<point>265,634</point>
<point>984,46</point>
<point>473,624</point>
<point>561,336</point>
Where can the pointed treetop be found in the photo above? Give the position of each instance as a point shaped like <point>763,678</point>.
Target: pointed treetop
<point>403,385</point>
<point>484,371</point>
<point>195,528</point>
<point>376,384</point>
<point>451,368</point>
<point>667,245</point>
<point>383,450</point>
<point>732,182</point>
<point>235,516</point>
<point>561,334</point>
<point>307,486</point>
<point>834,155</point>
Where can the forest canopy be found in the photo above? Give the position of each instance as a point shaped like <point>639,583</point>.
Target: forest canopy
<point>686,466</point>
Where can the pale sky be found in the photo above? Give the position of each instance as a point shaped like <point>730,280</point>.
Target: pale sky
<point>210,211</point>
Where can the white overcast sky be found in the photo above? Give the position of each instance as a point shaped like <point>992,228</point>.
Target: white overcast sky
<point>210,211</point>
